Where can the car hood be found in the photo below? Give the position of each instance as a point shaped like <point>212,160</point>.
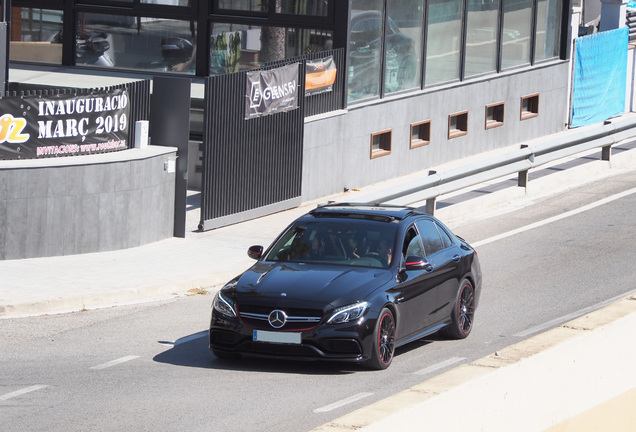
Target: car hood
<point>308,284</point>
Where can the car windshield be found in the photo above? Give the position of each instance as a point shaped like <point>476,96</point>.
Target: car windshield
<point>360,244</point>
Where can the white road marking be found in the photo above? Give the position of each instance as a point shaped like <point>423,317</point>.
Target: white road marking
<point>114,362</point>
<point>21,392</point>
<point>555,218</point>
<point>179,341</point>
<point>441,365</point>
<point>342,403</point>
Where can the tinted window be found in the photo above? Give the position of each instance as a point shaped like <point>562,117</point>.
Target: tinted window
<point>430,236</point>
<point>365,49</point>
<point>412,244</point>
<point>445,237</point>
<point>341,243</point>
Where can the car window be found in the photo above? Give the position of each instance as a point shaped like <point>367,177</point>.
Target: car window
<point>341,243</point>
<point>431,238</point>
<point>412,244</point>
<point>445,236</point>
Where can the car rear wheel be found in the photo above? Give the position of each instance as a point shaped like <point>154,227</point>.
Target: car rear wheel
<point>383,342</point>
<point>463,312</point>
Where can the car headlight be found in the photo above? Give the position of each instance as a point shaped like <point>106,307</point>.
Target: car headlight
<point>348,313</point>
<point>223,305</point>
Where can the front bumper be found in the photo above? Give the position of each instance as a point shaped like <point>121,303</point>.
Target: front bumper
<point>343,342</point>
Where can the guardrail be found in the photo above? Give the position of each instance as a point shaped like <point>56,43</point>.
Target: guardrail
<point>532,155</point>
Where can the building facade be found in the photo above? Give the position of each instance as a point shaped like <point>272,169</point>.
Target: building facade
<point>426,81</point>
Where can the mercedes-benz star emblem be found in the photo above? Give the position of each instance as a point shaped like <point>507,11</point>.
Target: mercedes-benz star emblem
<point>277,318</point>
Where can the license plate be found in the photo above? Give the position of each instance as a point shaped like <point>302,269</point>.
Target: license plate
<point>276,337</point>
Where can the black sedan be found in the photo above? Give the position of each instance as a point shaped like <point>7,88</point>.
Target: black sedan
<point>349,282</point>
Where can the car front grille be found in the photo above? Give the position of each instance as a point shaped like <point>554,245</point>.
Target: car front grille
<point>297,319</point>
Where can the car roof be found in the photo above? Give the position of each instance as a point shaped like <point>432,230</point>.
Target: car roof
<point>386,213</point>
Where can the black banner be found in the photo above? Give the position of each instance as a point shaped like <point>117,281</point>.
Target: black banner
<point>272,91</point>
<point>38,127</point>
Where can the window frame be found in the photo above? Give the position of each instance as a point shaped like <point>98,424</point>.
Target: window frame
<point>382,150</point>
<point>533,107</point>
<point>423,138</point>
<point>498,115</point>
<point>462,126</point>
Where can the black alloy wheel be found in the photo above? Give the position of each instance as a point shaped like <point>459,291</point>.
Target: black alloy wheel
<point>384,341</point>
<point>463,313</point>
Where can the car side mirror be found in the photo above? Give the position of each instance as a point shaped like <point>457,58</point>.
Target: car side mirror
<point>255,252</point>
<point>413,262</point>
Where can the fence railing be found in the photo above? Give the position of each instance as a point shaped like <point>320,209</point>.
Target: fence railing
<point>520,161</point>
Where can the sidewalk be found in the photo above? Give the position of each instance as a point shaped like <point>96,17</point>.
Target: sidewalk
<point>206,260</point>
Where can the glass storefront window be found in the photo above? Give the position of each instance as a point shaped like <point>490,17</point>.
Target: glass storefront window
<point>548,32</point>
<point>444,40</point>
<point>481,37</point>
<point>517,33</point>
<point>403,45</point>
<point>243,5</point>
<point>365,48</point>
<point>302,7</point>
<point>155,44</point>
<point>37,35</point>
<point>236,47</point>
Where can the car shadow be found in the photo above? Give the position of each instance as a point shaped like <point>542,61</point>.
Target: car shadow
<point>193,351</point>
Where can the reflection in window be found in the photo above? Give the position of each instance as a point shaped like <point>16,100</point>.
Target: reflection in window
<point>365,48</point>
<point>403,45</point>
<point>548,29</point>
<point>236,47</point>
<point>444,41</point>
<point>517,30</point>
<point>244,5</point>
<point>135,42</point>
<point>302,7</point>
<point>430,237</point>
<point>40,35</point>
<point>481,37</point>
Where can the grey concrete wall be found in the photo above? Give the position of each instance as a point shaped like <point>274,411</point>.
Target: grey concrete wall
<point>83,204</point>
<point>337,147</point>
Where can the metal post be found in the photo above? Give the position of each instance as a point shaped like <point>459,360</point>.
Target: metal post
<point>522,176</point>
<point>606,153</point>
<point>430,206</point>
<point>6,18</point>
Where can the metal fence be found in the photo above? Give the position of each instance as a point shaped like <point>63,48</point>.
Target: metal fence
<point>254,167</point>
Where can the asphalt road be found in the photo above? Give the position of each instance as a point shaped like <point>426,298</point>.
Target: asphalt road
<point>147,367</point>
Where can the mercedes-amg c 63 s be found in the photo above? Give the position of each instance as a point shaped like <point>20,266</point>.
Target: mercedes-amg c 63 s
<point>349,282</point>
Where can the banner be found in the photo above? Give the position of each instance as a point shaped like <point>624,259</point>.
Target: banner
<point>64,125</point>
<point>272,91</point>
<point>320,75</point>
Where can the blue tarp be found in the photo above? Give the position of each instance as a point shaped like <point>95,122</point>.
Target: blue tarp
<point>600,77</point>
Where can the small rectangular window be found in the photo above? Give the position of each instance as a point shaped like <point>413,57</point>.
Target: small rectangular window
<point>494,115</point>
<point>380,143</point>
<point>529,106</point>
<point>457,124</point>
<point>420,134</point>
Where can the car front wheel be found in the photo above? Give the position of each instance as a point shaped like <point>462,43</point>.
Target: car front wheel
<point>383,342</point>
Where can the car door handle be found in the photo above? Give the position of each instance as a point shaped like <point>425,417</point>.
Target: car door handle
<point>456,258</point>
